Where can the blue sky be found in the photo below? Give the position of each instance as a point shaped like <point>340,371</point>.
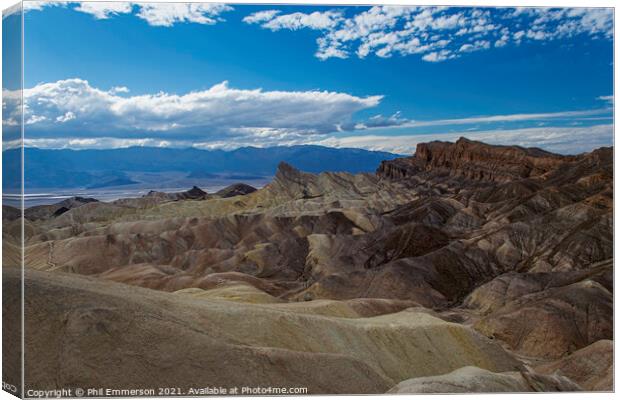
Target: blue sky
<point>222,76</point>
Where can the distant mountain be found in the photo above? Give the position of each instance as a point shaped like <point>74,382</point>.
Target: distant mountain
<point>94,168</point>
<point>113,182</point>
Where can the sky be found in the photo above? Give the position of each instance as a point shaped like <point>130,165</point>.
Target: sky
<point>207,75</point>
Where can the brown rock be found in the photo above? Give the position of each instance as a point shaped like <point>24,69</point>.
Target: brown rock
<point>591,367</point>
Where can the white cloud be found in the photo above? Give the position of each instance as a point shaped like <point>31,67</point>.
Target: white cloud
<point>436,33</point>
<point>68,116</point>
<point>119,89</point>
<point>501,42</point>
<point>382,30</point>
<point>104,10</point>
<point>219,111</point>
<point>437,56</point>
<point>260,16</point>
<point>476,46</point>
<point>156,14</point>
<point>35,119</point>
<point>328,49</point>
<point>564,140</point>
<point>168,14</point>
<point>40,5</point>
<point>379,121</point>
<point>96,143</point>
<point>607,99</point>
<point>556,23</point>
<point>517,36</point>
<point>73,106</point>
<point>226,117</point>
<point>317,20</point>
<point>504,118</point>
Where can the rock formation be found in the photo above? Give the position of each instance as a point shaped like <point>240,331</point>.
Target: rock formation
<point>47,211</point>
<point>475,160</point>
<point>464,254</point>
<point>237,189</point>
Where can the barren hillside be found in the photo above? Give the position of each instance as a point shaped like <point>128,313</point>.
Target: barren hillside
<point>465,265</point>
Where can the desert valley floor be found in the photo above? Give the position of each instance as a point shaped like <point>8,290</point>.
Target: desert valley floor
<point>465,268</point>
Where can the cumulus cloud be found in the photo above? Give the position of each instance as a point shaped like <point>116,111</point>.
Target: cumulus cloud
<point>155,14</point>
<point>73,113</point>
<point>438,56</point>
<point>317,20</point>
<point>68,116</point>
<point>436,33</point>
<point>168,14</point>
<point>40,5</point>
<point>104,10</point>
<point>476,46</point>
<point>223,113</point>
<point>35,119</point>
<point>119,89</point>
<point>220,111</point>
<point>260,16</point>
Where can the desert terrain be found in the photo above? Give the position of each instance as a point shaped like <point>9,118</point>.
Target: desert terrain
<point>466,267</point>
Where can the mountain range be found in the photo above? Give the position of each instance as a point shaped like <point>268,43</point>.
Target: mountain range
<point>45,168</point>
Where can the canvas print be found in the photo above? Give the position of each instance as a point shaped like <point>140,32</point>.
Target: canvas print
<point>228,199</point>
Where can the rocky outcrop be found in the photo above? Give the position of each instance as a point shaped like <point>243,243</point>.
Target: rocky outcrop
<point>10,213</point>
<point>555,322</point>
<point>154,198</point>
<point>47,211</point>
<point>237,189</point>
<point>511,286</point>
<point>476,380</point>
<point>474,160</point>
<point>398,168</point>
<point>591,367</point>
<point>480,161</point>
<point>195,193</point>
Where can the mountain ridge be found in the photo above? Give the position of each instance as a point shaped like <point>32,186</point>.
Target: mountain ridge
<point>476,161</point>
<point>66,168</point>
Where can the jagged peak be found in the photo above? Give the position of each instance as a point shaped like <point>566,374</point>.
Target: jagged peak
<point>287,172</point>
<point>285,167</point>
<point>197,190</point>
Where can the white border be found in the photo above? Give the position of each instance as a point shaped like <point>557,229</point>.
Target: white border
<point>4,4</point>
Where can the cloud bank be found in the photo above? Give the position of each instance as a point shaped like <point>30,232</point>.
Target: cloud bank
<point>74,106</point>
<point>564,140</point>
<point>73,114</point>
